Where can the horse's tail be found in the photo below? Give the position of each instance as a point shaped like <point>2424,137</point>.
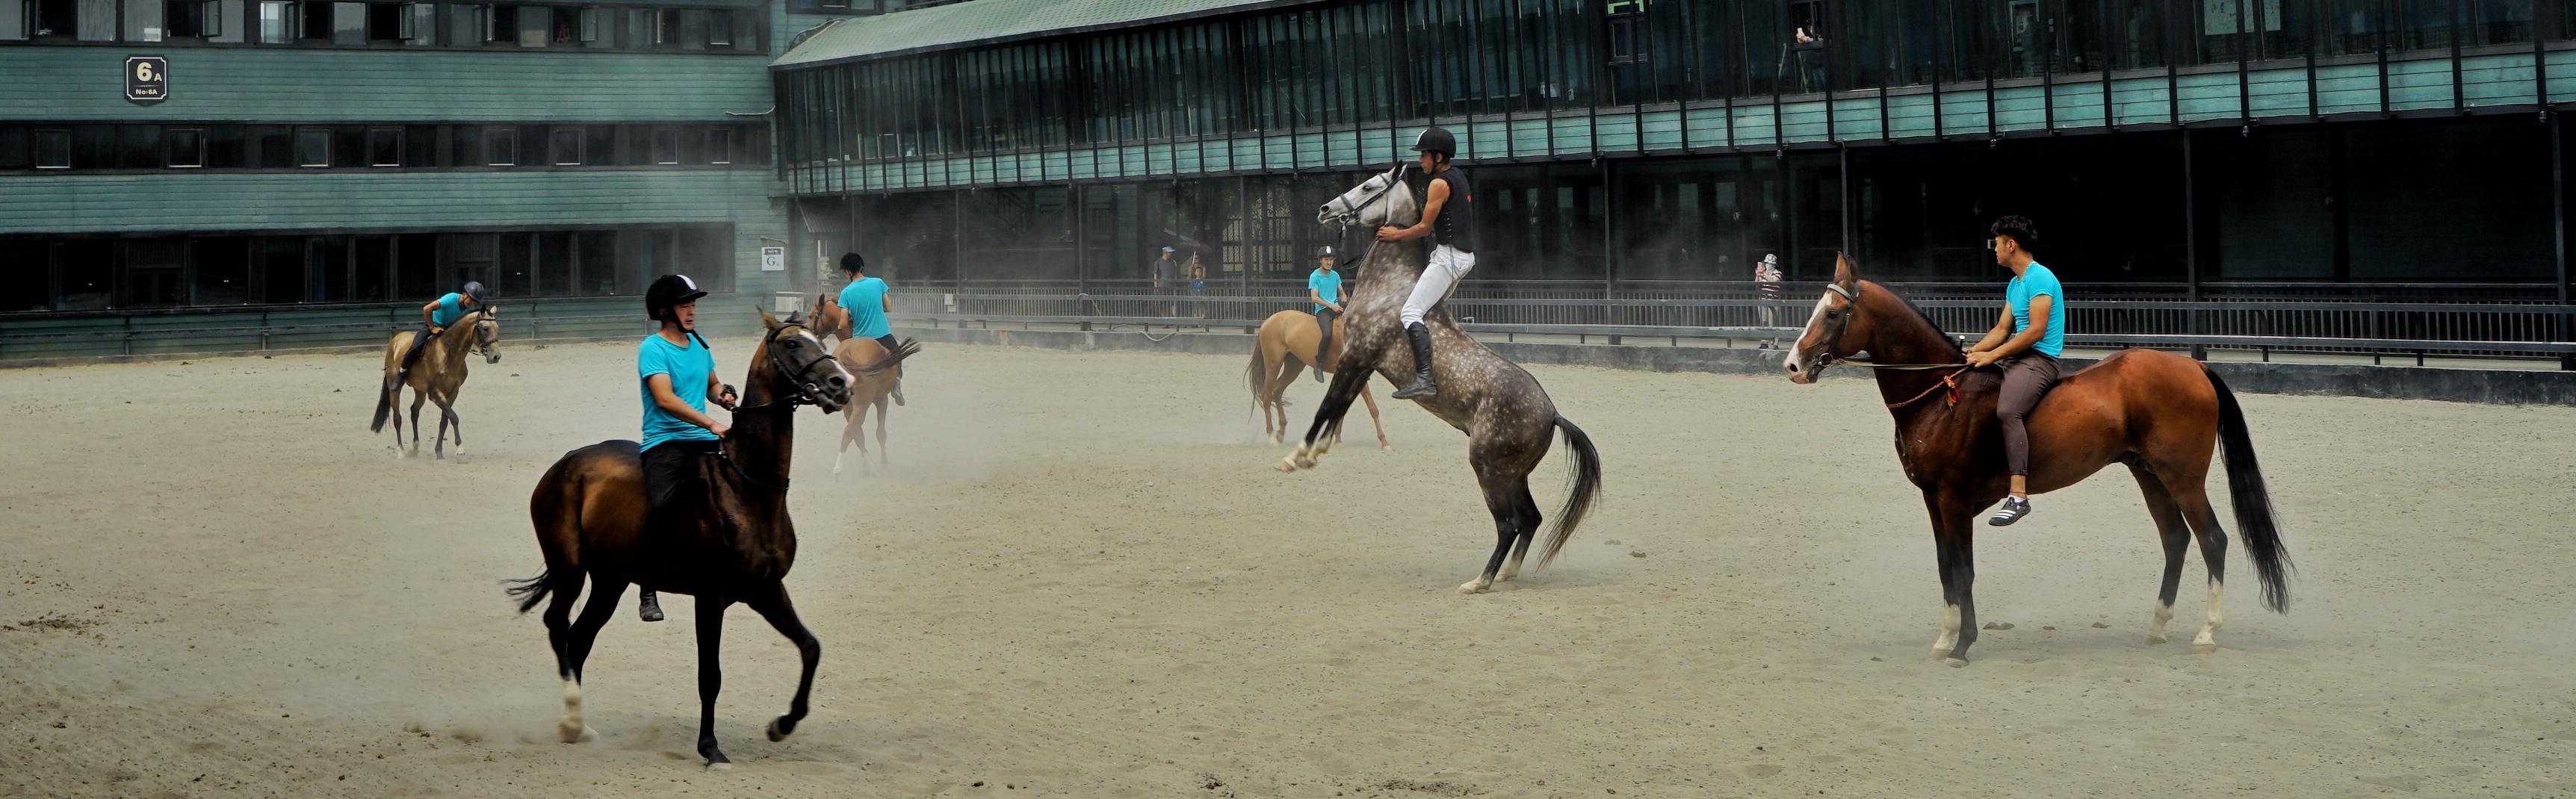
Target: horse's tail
<point>2253,502</point>
<point>384,407</point>
<point>1586,494</point>
<point>902,349</point>
<point>1255,375</point>
<point>533,591</point>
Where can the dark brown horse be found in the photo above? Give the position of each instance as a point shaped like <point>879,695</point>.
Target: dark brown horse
<point>2157,413</point>
<point>730,540</point>
<point>1508,418</point>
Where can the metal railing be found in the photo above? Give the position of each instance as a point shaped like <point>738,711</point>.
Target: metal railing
<point>288,327</point>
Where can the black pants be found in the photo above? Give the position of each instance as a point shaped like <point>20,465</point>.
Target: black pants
<point>419,343</point>
<point>1324,343</point>
<point>887,341</point>
<point>670,468</point>
<point>2026,377</point>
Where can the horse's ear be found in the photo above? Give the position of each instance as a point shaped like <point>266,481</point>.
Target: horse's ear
<point>765,319</point>
<point>1845,274</point>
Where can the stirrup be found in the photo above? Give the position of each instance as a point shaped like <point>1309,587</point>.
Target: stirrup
<point>1423,386</point>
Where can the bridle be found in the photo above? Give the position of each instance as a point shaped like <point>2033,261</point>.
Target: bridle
<point>1851,299</point>
<point>1349,212</point>
<point>809,391</point>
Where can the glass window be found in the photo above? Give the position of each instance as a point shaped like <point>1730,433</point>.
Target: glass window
<point>720,29</point>
<point>329,257</point>
<point>31,261</point>
<point>274,27</point>
<point>597,251</point>
<point>278,269</point>
<point>420,24</point>
<point>189,19</point>
<point>416,265</point>
<point>53,148</point>
<point>515,271</point>
<point>314,20</point>
<point>371,278</point>
<point>143,20</point>
<point>272,147</point>
<point>746,30</point>
<point>554,264</point>
<point>385,147</point>
<point>666,25</point>
<point>226,148</point>
<point>14,147</point>
<point>666,145</point>
<point>312,147</point>
<point>93,146</point>
<point>219,272</point>
<point>563,145</point>
<point>154,272</point>
<point>139,147</point>
<point>225,21</point>
<point>13,22</point>
<point>466,24</point>
<point>95,21</point>
<point>349,146</point>
<point>501,147</point>
<point>693,146</point>
<point>601,141</point>
<point>501,24</point>
<point>720,146</point>
<point>466,145</point>
<point>85,269</point>
<point>187,147</point>
<point>599,27</point>
<point>387,22</point>
<point>472,253</point>
<point>420,146</point>
<point>536,27</point>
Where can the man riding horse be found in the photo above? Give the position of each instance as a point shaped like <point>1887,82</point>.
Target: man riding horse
<point>676,369</point>
<point>435,317</point>
<point>1448,216</point>
<point>2026,342</point>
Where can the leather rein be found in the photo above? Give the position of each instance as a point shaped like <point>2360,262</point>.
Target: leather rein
<point>1949,381</point>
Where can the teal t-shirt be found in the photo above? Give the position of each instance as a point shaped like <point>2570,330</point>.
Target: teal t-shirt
<point>865,298</point>
<point>688,367</point>
<point>2037,281</point>
<point>450,308</point>
<point>1327,285</point>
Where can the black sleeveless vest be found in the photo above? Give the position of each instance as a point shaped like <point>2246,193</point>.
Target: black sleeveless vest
<point>1456,226</point>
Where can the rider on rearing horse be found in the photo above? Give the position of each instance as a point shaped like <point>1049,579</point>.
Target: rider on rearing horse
<point>1448,217</point>
<point>676,370</point>
<point>2026,341</point>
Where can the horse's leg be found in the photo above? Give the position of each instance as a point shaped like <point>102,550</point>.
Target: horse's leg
<point>604,595</point>
<point>781,614</point>
<point>456,424</point>
<point>398,420</point>
<point>1502,499</point>
<point>2177,539</point>
<point>1276,377</point>
<point>418,398</point>
<point>1529,520</point>
<point>438,445</point>
<point>1346,386</point>
<point>1953,523</point>
<point>1382,446</point>
<point>710,676</point>
<point>849,430</point>
<point>2194,499</point>
<point>859,433</point>
<point>882,459</point>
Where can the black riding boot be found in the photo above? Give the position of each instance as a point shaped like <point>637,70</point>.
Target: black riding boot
<point>1319,359</point>
<point>1423,386</point>
<point>649,606</point>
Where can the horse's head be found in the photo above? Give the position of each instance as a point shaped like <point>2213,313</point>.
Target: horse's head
<point>1380,200</point>
<point>829,317</point>
<point>1839,327</point>
<point>487,335</point>
<point>798,367</point>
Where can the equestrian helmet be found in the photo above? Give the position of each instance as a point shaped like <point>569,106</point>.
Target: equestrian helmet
<point>473,290</point>
<point>1323,252</point>
<point>1437,140</point>
<point>668,291</point>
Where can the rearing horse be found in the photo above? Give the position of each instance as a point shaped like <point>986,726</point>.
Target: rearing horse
<point>2158,413</point>
<point>436,376</point>
<point>1508,418</point>
<point>730,539</point>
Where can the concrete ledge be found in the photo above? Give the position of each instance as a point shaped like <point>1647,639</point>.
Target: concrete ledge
<point>2502,387</point>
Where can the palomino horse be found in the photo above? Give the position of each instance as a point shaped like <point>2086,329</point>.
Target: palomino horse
<point>2157,413</point>
<point>830,319</point>
<point>436,377</point>
<point>1508,419</point>
<point>1286,344</point>
<point>877,371</point>
<point>729,540</point>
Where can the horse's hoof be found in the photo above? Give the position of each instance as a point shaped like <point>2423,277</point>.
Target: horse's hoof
<point>2155,638</point>
<point>2204,649</point>
<point>575,735</point>
<point>1386,447</point>
<point>719,765</point>
<point>1472,587</point>
<point>776,734</point>
<point>1286,466</point>
<point>1956,662</point>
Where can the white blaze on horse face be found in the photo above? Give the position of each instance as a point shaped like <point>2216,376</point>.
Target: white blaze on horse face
<point>1798,351</point>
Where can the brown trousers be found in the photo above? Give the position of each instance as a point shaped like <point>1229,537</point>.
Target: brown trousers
<point>2026,377</point>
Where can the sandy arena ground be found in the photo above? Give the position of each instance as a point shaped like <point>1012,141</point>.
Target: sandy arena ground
<point>1081,578</point>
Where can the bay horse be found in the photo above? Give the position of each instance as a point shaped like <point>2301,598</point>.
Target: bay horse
<point>1285,347</point>
<point>2157,413</point>
<point>830,319</point>
<point>435,377</point>
<point>1508,418</point>
<point>876,371</point>
<point>730,541</point>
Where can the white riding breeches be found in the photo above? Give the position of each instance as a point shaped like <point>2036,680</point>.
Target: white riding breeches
<point>1448,266</point>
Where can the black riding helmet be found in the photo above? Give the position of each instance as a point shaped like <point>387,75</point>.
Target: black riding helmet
<point>668,291</point>
<point>1437,140</point>
<point>474,291</point>
<point>1323,252</point>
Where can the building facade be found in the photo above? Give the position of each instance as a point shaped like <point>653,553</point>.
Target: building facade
<point>2194,146</point>
<point>345,161</point>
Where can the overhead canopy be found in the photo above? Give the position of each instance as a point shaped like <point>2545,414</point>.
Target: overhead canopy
<point>985,21</point>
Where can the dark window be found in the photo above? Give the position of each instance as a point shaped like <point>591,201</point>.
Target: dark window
<point>30,264</point>
<point>666,145</point>
<point>599,27</point>
<point>466,24</point>
<point>501,24</point>
<point>274,146</point>
<point>693,145</point>
<point>191,19</point>
<point>155,273</point>
<point>465,145</point>
<point>142,19</point>
<point>53,149</point>
<point>419,25</point>
<point>220,272</point>
<point>187,147</point>
<point>416,265</point>
<point>14,146</point>
<point>420,146</point>
<point>385,147</point>
<point>329,256</point>
<point>387,22</point>
<point>472,254</point>
<point>746,30</point>
<point>225,147</point>
<point>372,269</point>
<point>280,269</point>
<point>93,146</point>
<point>602,141</point>
<point>348,146</point>
<point>138,147</point>
<point>720,29</point>
<point>316,20</point>
<point>511,265</point>
<point>312,147</point>
<point>702,255</point>
<point>693,28</point>
<point>643,28</point>
<point>836,5</point>
<point>501,146</point>
<point>535,26</point>
<point>554,265</point>
<point>14,22</point>
<point>563,145</point>
<point>720,146</point>
<point>666,24</point>
<point>597,250</point>
<point>86,270</point>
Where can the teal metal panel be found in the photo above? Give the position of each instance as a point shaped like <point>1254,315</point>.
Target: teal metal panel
<point>1755,126</point>
<point>1661,130</point>
<point>1910,115</point>
<point>1963,114</point>
<point>1857,119</point>
<point>2079,105</point>
<point>2562,76</point>
<point>1615,132</point>
<point>2415,85</point>
<point>1803,121</point>
<point>2497,80</point>
<point>318,85</point>
<point>2021,108</point>
<point>1529,137</point>
<point>2209,96</point>
<point>2140,100</point>
<point>1381,147</point>
<point>2347,88</point>
<point>1247,154</point>
<point>1344,146</point>
<point>112,203</point>
<point>1186,157</point>
<point>1704,127</point>
<point>2280,92</point>
<point>1485,140</point>
<point>1310,150</point>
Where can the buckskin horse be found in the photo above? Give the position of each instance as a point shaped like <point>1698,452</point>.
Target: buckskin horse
<point>730,539</point>
<point>2157,413</point>
<point>876,372</point>
<point>1283,349</point>
<point>435,377</point>
<point>1508,418</point>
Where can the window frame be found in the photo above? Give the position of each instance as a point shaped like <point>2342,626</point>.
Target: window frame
<point>298,141</point>
<point>500,133</point>
<point>655,155</point>
<point>377,134</point>
<point>36,146</point>
<point>170,148</point>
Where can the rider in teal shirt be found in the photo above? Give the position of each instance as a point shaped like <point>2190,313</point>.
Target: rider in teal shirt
<point>866,298</point>
<point>2025,343</point>
<point>1324,288</point>
<point>675,372</point>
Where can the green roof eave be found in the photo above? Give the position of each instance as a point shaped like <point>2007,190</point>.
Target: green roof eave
<point>984,22</point>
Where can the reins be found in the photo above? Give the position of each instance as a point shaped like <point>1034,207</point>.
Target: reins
<point>1949,381</point>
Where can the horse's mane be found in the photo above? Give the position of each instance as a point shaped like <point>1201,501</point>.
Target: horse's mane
<point>1919,313</point>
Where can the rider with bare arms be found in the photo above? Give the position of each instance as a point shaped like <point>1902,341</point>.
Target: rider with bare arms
<point>677,373</point>
<point>2026,342</point>
<point>1448,217</point>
